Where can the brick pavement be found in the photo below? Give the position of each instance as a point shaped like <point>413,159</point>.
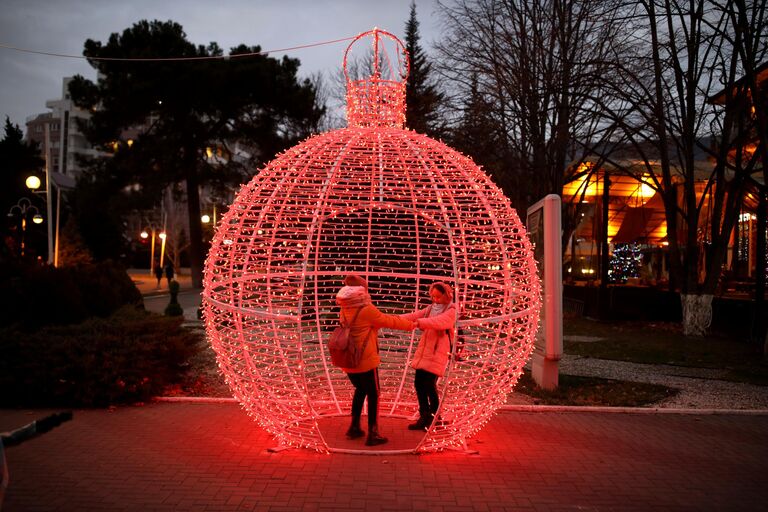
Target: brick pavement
<point>202,456</point>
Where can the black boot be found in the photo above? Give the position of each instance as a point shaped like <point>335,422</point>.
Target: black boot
<point>354,430</point>
<point>374,438</point>
<point>423,423</point>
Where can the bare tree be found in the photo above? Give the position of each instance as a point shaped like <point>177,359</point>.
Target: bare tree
<point>536,66</point>
<point>748,38</point>
<point>175,225</point>
<point>686,52</point>
<point>330,95</point>
<point>424,100</point>
<point>333,89</point>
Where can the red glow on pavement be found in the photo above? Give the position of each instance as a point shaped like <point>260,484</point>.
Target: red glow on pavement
<point>398,208</point>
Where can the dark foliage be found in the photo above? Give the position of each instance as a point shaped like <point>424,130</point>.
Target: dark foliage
<point>423,100</point>
<point>42,295</point>
<point>477,135</point>
<point>179,112</point>
<point>126,358</point>
<point>99,206</point>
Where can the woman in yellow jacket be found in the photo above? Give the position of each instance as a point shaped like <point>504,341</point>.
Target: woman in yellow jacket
<point>431,357</point>
<point>365,320</point>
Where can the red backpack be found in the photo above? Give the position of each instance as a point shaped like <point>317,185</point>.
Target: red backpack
<point>344,351</point>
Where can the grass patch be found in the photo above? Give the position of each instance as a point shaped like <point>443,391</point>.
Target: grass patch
<point>594,391</point>
<point>664,343</point>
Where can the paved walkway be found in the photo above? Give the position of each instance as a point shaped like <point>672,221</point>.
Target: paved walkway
<point>147,282</point>
<point>182,456</point>
<point>211,456</point>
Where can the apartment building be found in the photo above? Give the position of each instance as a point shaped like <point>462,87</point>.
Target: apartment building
<point>66,142</point>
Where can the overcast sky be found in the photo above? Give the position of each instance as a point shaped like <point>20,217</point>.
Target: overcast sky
<point>62,26</point>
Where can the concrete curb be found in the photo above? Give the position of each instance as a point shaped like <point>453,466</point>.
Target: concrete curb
<point>196,399</point>
<point>528,408</point>
<point>631,410</point>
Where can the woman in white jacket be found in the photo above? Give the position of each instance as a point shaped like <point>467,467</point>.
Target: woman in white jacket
<point>431,358</point>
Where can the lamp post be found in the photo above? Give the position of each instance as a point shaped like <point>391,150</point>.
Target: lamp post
<point>22,207</point>
<point>163,237</point>
<point>151,232</point>
<point>48,205</point>
<point>208,221</point>
<point>33,184</point>
<point>144,234</point>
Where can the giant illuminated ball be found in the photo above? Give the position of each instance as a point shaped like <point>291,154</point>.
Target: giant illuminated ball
<point>402,210</point>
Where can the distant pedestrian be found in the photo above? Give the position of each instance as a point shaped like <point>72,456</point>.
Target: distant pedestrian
<point>169,273</point>
<point>158,274</point>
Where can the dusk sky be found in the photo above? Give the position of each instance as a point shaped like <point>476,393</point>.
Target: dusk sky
<point>28,80</point>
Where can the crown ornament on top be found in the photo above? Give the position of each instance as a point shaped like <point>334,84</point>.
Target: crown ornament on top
<point>378,100</point>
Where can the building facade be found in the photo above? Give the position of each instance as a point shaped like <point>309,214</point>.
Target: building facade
<point>66,144</point>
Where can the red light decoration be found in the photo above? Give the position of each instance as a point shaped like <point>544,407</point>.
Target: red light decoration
<point>398,208</point>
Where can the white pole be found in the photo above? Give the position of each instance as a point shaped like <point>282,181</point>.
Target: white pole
<point>48,192</point>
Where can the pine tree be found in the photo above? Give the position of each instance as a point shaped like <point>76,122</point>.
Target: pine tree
<point>422,98</point>
<point>193,106</point>
<point>476,135</point>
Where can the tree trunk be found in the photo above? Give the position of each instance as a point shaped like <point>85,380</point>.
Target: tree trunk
<point>697,313</point>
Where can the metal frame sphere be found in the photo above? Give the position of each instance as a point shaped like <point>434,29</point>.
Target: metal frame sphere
<point>402,210</point>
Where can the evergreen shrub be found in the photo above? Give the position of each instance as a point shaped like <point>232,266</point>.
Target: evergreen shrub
<point>128,357</point>
<point>42,295</point>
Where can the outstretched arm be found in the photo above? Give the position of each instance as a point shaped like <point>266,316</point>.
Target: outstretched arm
<point>419,313</point>
<point>379,319</point>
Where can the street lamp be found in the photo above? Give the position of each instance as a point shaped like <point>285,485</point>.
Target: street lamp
<point>151,235</point>
<point>22,207</point>
<point>52,179</point>
<point>206,219</point>
<point>162,236</point>
<point>33,183</point>
<point>152,232</point>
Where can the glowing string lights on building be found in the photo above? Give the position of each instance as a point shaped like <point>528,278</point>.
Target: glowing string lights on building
<point>399,208</point>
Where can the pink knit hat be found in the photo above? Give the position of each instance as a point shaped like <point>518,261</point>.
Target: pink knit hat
<point>355,280</point>
<point>447,290</point>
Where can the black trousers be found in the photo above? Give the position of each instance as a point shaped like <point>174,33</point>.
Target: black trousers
<point>366,386</point>
<point>426,391</point>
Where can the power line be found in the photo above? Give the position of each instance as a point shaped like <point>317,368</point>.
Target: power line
<point>173,59</point>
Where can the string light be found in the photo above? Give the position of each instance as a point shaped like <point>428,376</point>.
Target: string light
<point>173,59</point>
<point>398,208</point>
